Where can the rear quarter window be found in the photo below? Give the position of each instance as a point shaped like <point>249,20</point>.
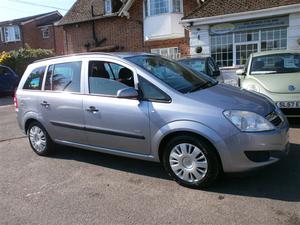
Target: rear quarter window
<point>35,79</point>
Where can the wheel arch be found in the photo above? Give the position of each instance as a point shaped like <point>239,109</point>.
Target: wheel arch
<point>174,134</point>
<point>189,127</point>
<point>28,122</point>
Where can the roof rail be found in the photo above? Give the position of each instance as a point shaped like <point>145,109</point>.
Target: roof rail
<point>76,54</point>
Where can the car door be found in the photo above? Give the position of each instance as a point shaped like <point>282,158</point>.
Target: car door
<point>7,80</point>
<point>114,123</point>
<point>61,102</point>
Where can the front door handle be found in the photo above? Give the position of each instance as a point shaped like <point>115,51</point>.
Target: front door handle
<point>45,104</point>
<point>92,109</point>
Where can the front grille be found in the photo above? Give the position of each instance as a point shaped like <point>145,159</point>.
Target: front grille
<point>291,112</point>
<point>274,119</point>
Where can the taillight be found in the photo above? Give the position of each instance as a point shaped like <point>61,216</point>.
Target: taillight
<point>16,102</point>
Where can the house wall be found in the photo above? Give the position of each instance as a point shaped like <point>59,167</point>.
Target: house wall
<point>294,31</point>
<point>119,31</point>
<point>31,34</point>
<point>123,32</point>
<point>59,40</point>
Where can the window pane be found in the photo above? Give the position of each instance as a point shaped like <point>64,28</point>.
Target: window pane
<point>177,6</point>
<point>150,92</point>
<point>274,39</point>
<point>35,79</point>
<point>159,7</point>
<point>100,81</point>
<point>107,6</point>
<point>64,77</point>
<point>222,48</point>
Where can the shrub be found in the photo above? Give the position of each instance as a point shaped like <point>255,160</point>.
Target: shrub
<point>19,59</point>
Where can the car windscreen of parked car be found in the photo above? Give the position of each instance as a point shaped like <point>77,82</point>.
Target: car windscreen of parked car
<point>172,73</point>
<point>195,64</point>
<point>275,64</point>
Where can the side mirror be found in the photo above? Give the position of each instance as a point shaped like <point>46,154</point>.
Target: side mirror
<point>216,73</point>
<point>241,72</point>
<point>129,93</point>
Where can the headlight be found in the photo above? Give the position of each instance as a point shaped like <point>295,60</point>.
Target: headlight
<point>253,87</point>
<point>248,121</point>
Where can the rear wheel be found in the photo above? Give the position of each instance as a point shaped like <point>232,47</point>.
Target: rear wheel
<point>39,139</point>
<point>191,162</point>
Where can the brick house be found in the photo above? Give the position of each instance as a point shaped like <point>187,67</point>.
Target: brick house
<point>230,31</point>
<point>37,31</point>
<point>128,25</point>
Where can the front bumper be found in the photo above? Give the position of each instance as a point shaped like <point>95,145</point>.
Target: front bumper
<point>264,148</point>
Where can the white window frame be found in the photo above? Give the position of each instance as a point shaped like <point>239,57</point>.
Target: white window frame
<point>170,8</point>
<point>8,30</point>
<point>1,34</point>
<point>45,32</point>
<point>258,42</point>
<point>170,54</point>
<point>108,7</point>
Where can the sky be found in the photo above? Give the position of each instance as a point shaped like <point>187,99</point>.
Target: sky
<point>13,9</point>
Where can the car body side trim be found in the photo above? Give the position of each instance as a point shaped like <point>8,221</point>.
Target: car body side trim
<point>108,150</point>
<point>97,130</point>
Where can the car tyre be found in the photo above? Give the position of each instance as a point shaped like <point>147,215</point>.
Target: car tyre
<point>191,162</point>
<point>39,139</point>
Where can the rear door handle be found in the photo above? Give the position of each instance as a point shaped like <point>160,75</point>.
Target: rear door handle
<point>45,104</point>
<point>92,109</point>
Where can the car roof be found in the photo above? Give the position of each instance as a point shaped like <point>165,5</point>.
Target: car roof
<point>274,52</point>
<point>115,54</point>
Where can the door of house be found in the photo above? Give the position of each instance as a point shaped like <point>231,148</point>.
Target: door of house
<point>243,51</point>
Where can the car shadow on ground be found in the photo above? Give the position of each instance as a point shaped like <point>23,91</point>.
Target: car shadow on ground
<point>279,181</point>
<point>6,101</point>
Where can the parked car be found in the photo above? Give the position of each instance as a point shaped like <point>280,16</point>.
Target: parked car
<point>8,81</point>
<point>147,107</point>
<point>206,65</point>
<point>275,74</point>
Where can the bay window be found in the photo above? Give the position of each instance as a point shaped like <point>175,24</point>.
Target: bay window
<point>157,7</point>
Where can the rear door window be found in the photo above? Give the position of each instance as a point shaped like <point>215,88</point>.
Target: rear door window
<point>35,79</point>
<point>64,77</point>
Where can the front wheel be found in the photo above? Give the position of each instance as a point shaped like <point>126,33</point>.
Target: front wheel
<point>191,162</point>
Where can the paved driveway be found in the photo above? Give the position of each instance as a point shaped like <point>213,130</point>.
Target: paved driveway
<point>81,187</point>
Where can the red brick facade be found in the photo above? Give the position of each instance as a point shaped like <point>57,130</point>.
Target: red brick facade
<point>126,34</point>
<point>31,34</point>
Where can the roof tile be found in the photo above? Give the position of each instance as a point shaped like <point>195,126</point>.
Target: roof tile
<point>212,8</point>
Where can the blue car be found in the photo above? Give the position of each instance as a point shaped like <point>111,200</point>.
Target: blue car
<point>8,81</point>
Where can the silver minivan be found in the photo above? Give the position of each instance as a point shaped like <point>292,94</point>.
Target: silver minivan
<point>147,107</point>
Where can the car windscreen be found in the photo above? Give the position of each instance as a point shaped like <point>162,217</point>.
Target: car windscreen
<point>196,64</point>
<point>172,73</point>
<point>275,64</point>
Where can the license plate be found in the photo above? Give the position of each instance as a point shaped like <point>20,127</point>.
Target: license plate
<point>287,105</point>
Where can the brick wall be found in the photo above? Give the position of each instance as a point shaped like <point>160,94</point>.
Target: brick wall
<point>118,31</point>
<point>31,34</point>
<point>122,32</point>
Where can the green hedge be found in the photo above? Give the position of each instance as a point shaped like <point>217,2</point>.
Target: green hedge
<point>18,60</point>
